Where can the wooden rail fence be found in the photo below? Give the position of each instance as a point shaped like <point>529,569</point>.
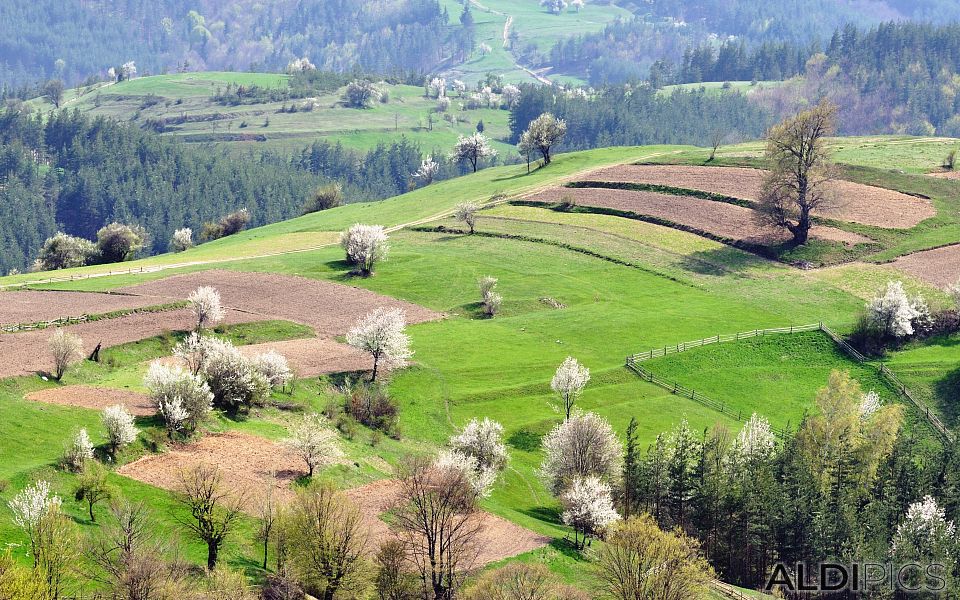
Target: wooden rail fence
<point>633,363</point>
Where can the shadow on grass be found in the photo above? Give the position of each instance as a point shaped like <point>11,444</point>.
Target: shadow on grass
<point>720,261</point>
<point>544,513</point>
<point>526,440</point>
<point>947,397</point>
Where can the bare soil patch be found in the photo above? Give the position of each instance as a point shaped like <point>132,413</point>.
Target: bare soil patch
<point>314,356</point>
<point>97,398</point>
<point>26,352</point>
<point>498,538</point>
<point>721,219</point>
<point>852,202</point>
<point>32,306</point>
<point>248,464</point>
<point>940,266</point>
<point>330,308</point>
<point>951,175</point>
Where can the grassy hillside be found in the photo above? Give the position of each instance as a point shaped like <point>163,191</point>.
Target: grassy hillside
<point>597,287</point>
<point>185,102</point>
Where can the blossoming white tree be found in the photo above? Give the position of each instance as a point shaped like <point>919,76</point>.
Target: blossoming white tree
<point>183,399</point>
<point>467,212</point>
<point>490,298</point>
<point>577,4</point>
<point>79,451</point>
<point>314,442</point>
<point>382,335</point>
<point>193,350</point>
<point>365,245</point>
<point>755,442</point>
<point>554,6</point>
<point>205,303</point>
<point>870,404</point>
<point>274,367</point>
<point>427,171</point>
<point>234,379</point>
<point>925,536</point>
<point>569,380</point>
<point>544,132</point>
<point>483,440</point>
<point>583,445</point>
<point>460,465</point>
<point>182,239</point>
<point>437,88</point>
<point>66,349</point>
<point>892,311</point>
<point>459,87</point>
<point>588,508</point>
<point>121,430</point>
<point>473,149</point>
<point>29,508</point>
<point>510,95</point>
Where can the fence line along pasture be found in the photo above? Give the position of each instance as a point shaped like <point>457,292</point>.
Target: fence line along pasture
<point>633,363</point>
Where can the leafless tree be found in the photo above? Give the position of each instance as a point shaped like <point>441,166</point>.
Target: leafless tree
<point>214,507</point>
<point>437,519</point>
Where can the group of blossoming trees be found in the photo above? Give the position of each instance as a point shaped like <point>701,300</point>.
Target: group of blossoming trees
<point>893,317</point>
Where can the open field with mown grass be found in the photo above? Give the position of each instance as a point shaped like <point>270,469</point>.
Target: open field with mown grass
<point>184,101</point>
<point>574,283</point>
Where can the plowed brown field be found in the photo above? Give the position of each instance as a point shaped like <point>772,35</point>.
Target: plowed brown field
<point>314,356</point>
<point>853,202</point>
<point>940,266</point>
<point>96,398</point>
<point>31,306</point>
<point>330,308</point>
<point>717,218</point>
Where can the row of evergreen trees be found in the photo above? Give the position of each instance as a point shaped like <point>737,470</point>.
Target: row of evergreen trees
<point>838,489</point>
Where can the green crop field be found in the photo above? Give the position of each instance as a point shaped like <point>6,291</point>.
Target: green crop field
<point>185,100</point>
<point>595,286</point>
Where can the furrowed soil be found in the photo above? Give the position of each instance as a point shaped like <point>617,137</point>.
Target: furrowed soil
<point>721,219</point>
<point>314,356</point>
<point>852,202</point>
<point>330,308</point>
<point>95,398</point>
<point>939,266</point>
<point>32,306</point>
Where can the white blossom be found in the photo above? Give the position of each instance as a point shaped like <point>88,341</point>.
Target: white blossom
<point>924,532</point>
<point>300,65</point>
<point>583,445</point>
<point>511,95</point>
<point>128,71</point>
<point>382,335</point>
<point>233,379</point>
<point>66,349</point>
<point>183,399</point>
<point>482,440</point>
<point>79,451</point>
<point>484,48</point>
<point>587,505</point>
<point>869,404</point>
<point>437,87</point>
<point>365,245</point>
<point>427,172</point>
<point>481,479</point>
<point>29,506</point>
<point>314,441</point>
<point>120,427</point>
<point>274,367</point>
<point>892,311</point>
<point>473,149</point>
<point>568,381</point>
<point>467,212</point>
<point>756,441</point>
<point>205,302</point>
<point>182,239</point>
<point>459,87</point>
<point>577,4</point>
<point>554,6</point>
<point>443,104</point>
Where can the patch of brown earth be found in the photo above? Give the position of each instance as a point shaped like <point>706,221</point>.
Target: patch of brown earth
<point>314,356</point>
<point>940,266</point>
<point>96,398</point>
<point>717,218</point>
<point>498,538</point>
<point>330,308</point>
<point>27,352</point>
<point>32,306</point>
<point>852,202</point>
<point>249,464</point>
<point>951,175</point>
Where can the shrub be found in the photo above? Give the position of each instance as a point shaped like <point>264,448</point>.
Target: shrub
<point>63,251</point>
<point>205,303</point>
<point>274,367</point>
<point>490,299</point>
<point>324,197</point>
<point>314,441</point>
<point>120,428</point>
<point>182,240</point>
<point>371,405</point>
<point>361,93</point>
<point>66,349</point>
<point>235,381</point>
<point>78,452</point>
<point>228,225</point>
<point>117,242</point>
<point>183,399</point>
<point>365,246</point>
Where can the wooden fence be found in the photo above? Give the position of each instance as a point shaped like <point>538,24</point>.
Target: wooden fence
<point>62,321</point>
<point>15,327</point>
<point>886,374</point>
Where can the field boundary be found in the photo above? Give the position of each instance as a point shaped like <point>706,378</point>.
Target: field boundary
<point>632,363</point>
<point>86,318</point>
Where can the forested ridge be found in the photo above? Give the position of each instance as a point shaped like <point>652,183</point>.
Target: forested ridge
<point>78,39</point>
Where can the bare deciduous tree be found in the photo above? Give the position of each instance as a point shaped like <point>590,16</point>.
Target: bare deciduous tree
<point>800,170</point>
<point>214,507</point>
<point>437,519</point>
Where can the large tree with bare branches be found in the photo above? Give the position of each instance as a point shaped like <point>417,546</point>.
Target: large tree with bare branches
<point>214,507</point>
<point>438,520</point>
<point>800,170</point>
